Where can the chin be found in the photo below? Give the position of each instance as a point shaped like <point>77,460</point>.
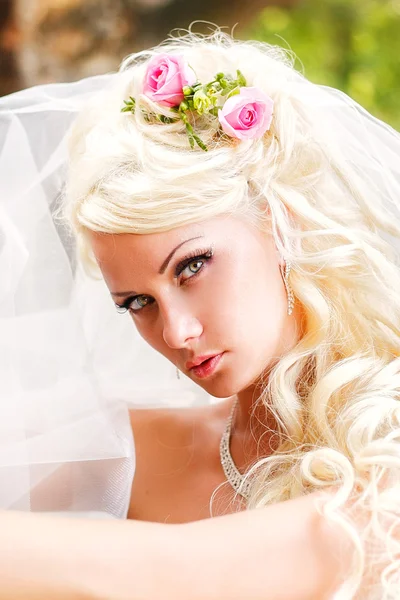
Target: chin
<point>221,387</point>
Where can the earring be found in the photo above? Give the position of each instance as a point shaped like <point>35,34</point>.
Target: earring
<point>177,373</point>
<point>289,291</point>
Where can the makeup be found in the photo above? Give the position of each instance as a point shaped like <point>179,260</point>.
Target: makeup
<point>208,367</point>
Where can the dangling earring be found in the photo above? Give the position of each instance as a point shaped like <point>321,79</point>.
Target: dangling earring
<point>289,291</point>
<point>177,373</point>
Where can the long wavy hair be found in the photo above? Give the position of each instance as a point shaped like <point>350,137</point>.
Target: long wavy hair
<point>335,395</point>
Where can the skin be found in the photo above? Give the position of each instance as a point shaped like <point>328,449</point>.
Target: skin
<point>232,301</point>
<point>290,551</point>
<point>283,552</point>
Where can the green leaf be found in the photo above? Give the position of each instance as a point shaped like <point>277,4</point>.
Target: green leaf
<point>233,92</point>
<point>200,143</point>
<point>189,128</point>
<point>226,91</point>
<point>183,105</point>
<point>197,85</point>
<point>129,105</point>
<point>241,78</point>
<point>214,111</point>
<point>165,119</point>
<point>190,135</point>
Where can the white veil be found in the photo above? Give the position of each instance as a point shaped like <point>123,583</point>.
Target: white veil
<point>70,366</point>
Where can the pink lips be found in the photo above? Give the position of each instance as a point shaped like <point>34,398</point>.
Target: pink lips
<point>204,366</point>
<point>198,360</point>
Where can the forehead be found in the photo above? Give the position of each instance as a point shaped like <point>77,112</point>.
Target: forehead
<point>124,259</point>
<point>109,247</point>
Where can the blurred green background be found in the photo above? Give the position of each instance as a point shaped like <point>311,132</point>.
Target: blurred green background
<point>353,45</point>
<point>347,44</point>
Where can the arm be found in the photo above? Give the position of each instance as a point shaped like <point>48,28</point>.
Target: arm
<point>282,552</point>
<point>44,556</point>
<point>286,551</point>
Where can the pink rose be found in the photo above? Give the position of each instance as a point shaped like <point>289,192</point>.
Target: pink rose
<point>247,114</point>
<point>165,77</point>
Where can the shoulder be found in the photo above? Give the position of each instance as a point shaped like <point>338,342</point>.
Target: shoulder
<point>170,445</point>
<point>169,436</point>
<point>154,429</point>
<point>169,428</point>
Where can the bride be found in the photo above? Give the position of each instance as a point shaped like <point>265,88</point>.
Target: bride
<point>202,291</point>
<point>243,218</point>
<point>206,285</point>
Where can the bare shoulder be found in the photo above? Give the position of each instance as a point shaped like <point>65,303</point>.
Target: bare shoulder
<point>166,429</point>
<point>169,429</point>
<point>170,445</point>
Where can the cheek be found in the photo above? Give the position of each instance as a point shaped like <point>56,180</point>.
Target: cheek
<point>254,303</point>
<point>267,321</point>
<point>147,329</point>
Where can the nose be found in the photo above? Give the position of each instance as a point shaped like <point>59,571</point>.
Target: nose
<point>179,327</point>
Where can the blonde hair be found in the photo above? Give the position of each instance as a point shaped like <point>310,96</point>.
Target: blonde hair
<point>335,395</point>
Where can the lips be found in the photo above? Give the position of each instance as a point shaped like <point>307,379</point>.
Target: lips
<point>199,359</point>
<point>207,367</point>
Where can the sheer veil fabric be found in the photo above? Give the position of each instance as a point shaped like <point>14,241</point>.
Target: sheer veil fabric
<point>70,366</point>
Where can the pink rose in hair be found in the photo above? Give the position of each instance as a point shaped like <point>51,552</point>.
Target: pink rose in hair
<point>247,114</point>
<point>165,77</point>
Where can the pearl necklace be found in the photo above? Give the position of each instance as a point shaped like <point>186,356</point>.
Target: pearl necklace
<point>232,474</point>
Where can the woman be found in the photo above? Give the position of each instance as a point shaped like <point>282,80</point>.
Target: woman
<point>228,255</point>
<point>228,221</point>
<point>235,211</point>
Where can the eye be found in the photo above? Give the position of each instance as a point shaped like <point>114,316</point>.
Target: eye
<point>189,267</point>
<point>193,264</point>
<point>193,267</point>
<point>134,304</point>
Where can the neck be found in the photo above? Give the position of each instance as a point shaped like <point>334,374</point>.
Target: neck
<point>253,428</point>
<point>247,408</point>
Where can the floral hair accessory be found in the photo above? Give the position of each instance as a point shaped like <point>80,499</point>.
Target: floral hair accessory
<point>247,114</point>
<point>243,112</point>
<point>165,78</point>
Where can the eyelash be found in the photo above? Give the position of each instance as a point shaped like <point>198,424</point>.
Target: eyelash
<point>196,255</point>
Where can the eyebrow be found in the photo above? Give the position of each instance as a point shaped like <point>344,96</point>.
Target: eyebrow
<point>161,270</point>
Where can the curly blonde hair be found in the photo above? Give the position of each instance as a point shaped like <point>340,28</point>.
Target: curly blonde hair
<point>335,395</point>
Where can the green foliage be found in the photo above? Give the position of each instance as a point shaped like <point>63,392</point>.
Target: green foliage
<point>353,45</point>
<point>129,105</point>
